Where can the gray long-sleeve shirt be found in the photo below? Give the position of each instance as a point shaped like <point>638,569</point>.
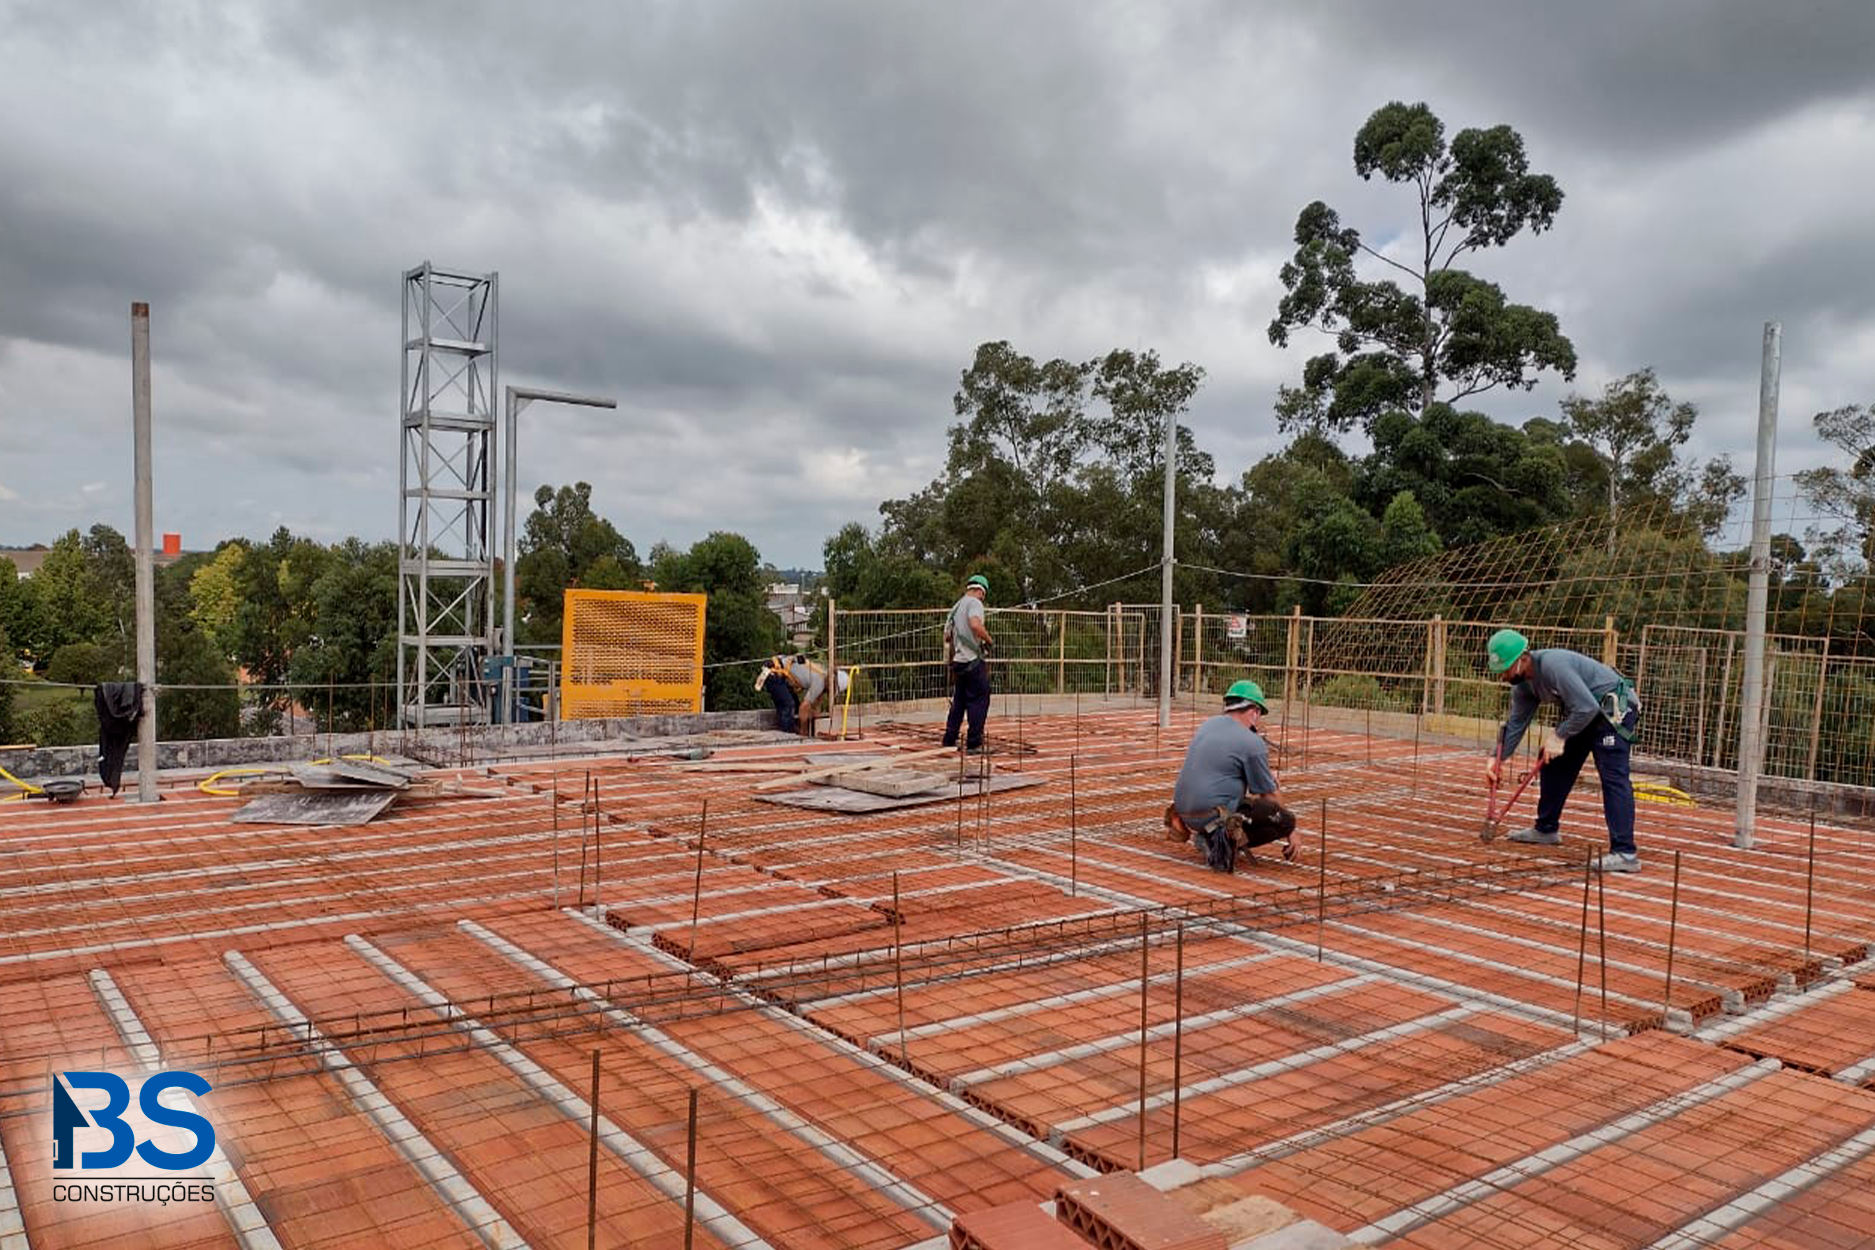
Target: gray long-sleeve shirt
<point>1573,681</point>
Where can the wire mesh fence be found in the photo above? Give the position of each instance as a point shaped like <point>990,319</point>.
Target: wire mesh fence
<point>898,655</point>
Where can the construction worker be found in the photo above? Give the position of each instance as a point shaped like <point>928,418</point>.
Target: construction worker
<point>967,646</point>
<point>1226,799</point>
<point>1599,712</point>
<point>796,685</point>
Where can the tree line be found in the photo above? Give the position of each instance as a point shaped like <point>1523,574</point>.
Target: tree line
<point>309,629</point>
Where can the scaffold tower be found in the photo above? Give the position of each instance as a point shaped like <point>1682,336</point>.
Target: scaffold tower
<point>445,496</point>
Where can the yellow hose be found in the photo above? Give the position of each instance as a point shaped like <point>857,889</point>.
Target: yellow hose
<point>852,679</point>
<point>26,788</point>
<point>207,784</point>
<point>1660,792</point>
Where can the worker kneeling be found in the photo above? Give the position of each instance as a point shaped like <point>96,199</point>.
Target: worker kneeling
<point>1226,799</point>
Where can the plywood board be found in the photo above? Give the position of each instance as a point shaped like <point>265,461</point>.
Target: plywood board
<point>370,772</point>
<point>892,783</point>
<point>310,808</point>
<point>853,803</point>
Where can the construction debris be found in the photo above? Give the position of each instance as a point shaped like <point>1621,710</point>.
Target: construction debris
<point>892,783</point>
<point>856,803</point>
<point>338,792</point>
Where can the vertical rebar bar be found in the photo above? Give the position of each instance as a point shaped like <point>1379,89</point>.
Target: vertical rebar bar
<point>555,800</point>
<point>898,972</point>
<point>696,891</point>
<point>1601,930</point>
<point>1673,931</point>
<point>1809,885</point>
<point>1145,985</point>
<point>690,1177</point>
<point>1321,880</point>
<point>592,1162</point>
<point>598,851</point>
<point>960,800</point>
<point>1582,947</point>
<point>1178,1035</point>
<point>1074,850</point>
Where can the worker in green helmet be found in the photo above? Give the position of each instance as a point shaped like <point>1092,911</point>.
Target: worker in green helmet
<point>1599,711</point>
<point>1226,799</point>
<point>967,648</point>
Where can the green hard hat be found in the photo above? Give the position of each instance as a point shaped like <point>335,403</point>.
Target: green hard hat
<point>1243,694</point>
<point>1505,648</point>
<point>977,579</point>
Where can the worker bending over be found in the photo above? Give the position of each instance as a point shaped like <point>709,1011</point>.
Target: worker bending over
<point>796,685</point>
<point>1226,799</point>
<point>967,646</point>
<point>1599,712</point>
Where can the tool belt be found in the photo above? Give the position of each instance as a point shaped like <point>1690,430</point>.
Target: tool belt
<point>1616,705</point>
<point>1180,826</point>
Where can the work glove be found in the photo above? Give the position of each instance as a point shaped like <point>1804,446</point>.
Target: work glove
<point>1552,745</point>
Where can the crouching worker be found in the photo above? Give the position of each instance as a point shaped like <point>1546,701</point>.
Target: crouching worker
<point>1226,799</point>
<point>796,685</point>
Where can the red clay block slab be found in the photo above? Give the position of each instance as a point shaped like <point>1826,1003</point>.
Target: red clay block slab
<point>1018,1226</point>
<point>1121,1212</point>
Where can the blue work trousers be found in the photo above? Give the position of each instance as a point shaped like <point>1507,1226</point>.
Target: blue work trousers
<point>1558,778</point>
<point>781,691</point>
<point>970,695</point>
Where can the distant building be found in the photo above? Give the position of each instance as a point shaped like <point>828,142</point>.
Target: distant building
<point>787,602</point>
<point>28,559</point>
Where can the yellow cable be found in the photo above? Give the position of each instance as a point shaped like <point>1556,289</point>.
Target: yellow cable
<point>25,788</point>
<point>852,679</point>
<point>207,784</point>
<point>1660,792</point>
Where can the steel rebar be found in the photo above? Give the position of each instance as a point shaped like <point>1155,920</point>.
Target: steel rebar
<point>1673,930</point>
<point>1178,1036</point>
<point>696,893</point>
<point>1145,986</point>
<point>592,1162</point>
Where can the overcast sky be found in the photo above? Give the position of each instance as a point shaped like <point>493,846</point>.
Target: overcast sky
<point>776,232</point>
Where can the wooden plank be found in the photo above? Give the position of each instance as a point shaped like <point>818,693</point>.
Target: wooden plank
<point>893,783</point>
<point>853,803</point>
<point>309,808</point>
<point>370,773</point>
<point>902,758</point>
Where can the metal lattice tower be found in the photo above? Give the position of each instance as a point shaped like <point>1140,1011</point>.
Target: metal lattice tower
<point>446,509</point>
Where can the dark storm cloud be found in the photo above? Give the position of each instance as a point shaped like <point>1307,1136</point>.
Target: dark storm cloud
<point>777,232</point>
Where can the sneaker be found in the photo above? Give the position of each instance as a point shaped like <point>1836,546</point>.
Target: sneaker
<point>979,749</point>
<point>1615,861</point>
<point>1536,837</point>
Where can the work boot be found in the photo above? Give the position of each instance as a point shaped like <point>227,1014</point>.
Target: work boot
<point>978,749</point>
<point>1536,837</point>
<point>1617,861</point>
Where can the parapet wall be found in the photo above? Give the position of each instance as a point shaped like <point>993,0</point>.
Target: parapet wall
<point>442,745</point>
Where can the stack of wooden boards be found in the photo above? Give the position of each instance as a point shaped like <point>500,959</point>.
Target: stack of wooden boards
<point>337,792</point>
<point>856,782</point>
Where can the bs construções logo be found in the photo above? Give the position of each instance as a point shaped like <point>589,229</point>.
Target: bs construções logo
<point>68,1119</point>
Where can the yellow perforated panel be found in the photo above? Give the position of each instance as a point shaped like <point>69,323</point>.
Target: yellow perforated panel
<point>631,653</point>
